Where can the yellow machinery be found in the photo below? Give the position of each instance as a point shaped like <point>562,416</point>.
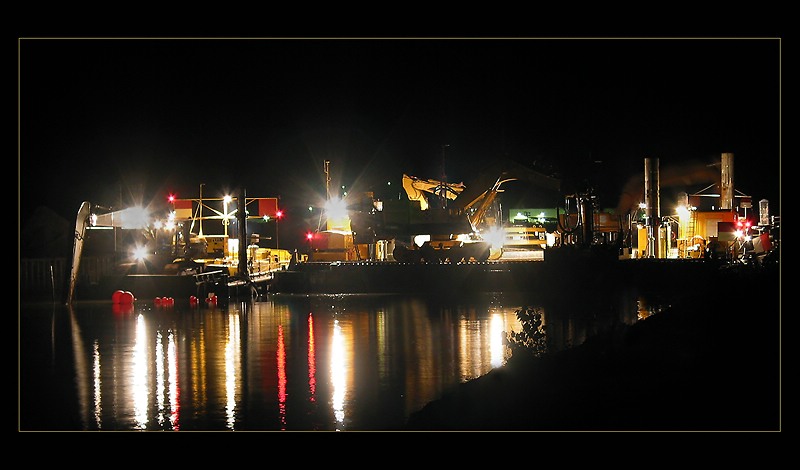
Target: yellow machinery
<point>699,230</point>
<point>455,228</point>
<point>451,232</point>
<point>441,221</point>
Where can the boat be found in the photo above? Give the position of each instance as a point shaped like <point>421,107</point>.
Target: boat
<point>168,252</point>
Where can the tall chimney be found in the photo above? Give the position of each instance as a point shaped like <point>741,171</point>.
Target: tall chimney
<point>726,183</point>
<point>652,197</point>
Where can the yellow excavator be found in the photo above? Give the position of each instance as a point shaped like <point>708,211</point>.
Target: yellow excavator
<point>453,231</point>
<point>439,221</point>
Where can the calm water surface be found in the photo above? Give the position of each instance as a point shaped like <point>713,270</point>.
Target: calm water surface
<point>330,363</point>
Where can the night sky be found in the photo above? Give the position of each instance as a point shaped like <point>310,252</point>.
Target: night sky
<point>116,121</point>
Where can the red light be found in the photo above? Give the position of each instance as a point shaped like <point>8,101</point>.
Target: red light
<point>171,198</point>
<point>279,214</point>
<point>309,236</point>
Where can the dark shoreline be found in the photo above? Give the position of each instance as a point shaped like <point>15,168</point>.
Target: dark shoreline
<point>711,362</point>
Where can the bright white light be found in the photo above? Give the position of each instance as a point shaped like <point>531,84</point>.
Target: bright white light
<point>134,218</point>
<point>158,224</point>
<point>232,370</point>
<point>233,247</point>
<point>496,345</point>
<point>642,205</point>
<point>496,236</point>
<point>336,209</point>
<point>161,379</point>
<point>139,253</point>
<point>338,373</point>
<point>139,377</point>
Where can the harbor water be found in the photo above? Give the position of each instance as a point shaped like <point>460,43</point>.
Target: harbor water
<point>280,363</point>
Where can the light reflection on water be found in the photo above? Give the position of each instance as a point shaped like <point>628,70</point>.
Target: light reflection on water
<point>286,363</point>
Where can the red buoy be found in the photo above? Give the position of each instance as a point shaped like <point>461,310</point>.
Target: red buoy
<point>122,309</point>
<point>126,298</point>
<point>116,296</point>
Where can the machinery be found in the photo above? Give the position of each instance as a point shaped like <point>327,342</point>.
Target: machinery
<point>441,221</point>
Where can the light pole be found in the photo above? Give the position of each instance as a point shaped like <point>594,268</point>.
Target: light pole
<point>201,210</point>
<point>225,221</point>
<point>278,216</point>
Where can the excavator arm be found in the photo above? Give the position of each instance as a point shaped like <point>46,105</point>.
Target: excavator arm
<point>417,187</point>
<point>483,202</point>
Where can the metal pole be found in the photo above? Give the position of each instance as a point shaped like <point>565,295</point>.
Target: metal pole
<point>225,220</point>
<point>201,210</point>
<point>241,214</point>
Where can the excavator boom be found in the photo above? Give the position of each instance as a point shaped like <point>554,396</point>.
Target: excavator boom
<point>417,187</point>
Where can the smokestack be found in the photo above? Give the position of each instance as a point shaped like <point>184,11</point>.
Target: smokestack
<point>653,201</point>
<point>763,212</point>
<point>726,183</point>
